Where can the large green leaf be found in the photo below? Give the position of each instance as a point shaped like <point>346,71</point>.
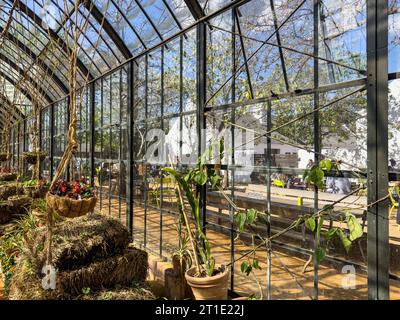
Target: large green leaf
<point>354,227</point>
<point>345,240</point>
<point>240,219</point>
<point>330,233</point>
<point>200,178</point>
<point>251,215</point>
<point>310,223</point>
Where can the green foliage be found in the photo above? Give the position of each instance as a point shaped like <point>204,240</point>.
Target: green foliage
<point>107,295</point>
<point>316,174</point>
<point>86,291</point>
<point>310,223</point>
<point>30,183</point>
<point>355,228</point>
<point>11,244</point>
<point>243,218</point>
<point>188,182</point>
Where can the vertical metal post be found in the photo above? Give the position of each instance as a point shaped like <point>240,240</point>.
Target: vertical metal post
<point>92,132</point>
<point>24,146</point>
<point>201,101</point>
<point>316,133</point>
<point>51,141</point>
<point>130,168</point>
<point>65,141</point>
<point>40,139</point>
<point>110,134</point>
<point>181,43</point>
<point>163,150</point>
<point>232,170</point>
<point>145,163</point>
<point>269,204</point>
<point>278,41</point>
<point>377,148</point>
<point>121,147</point>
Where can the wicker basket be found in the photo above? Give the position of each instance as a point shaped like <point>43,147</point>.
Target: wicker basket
<point>70,208</point>
<point>35,192</point>
<point>19,200</point>
<point>5,157</point>
<point>31,157</point>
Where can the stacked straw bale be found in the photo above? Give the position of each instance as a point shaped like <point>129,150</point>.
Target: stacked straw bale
<point>88,252</point>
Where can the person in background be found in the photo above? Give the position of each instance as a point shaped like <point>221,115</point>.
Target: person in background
<point>392,165</point>
<point>338,185</point>
<point>310,164</point>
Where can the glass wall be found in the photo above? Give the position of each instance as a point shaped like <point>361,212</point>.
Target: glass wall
<point>110,142</point>
<point>60,123</point>
<point>46,138</point>
<point>281,88</point>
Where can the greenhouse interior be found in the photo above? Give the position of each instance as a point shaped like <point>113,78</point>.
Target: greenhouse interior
<point>199,149</point>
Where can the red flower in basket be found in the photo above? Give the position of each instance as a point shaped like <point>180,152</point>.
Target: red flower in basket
<point>77,188</point>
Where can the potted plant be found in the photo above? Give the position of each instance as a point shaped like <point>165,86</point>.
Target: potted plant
<point>208,280</point>
<point>32,157</point>
<point>71,199</point>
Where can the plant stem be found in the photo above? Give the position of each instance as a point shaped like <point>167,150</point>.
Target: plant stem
<point>192,241</point>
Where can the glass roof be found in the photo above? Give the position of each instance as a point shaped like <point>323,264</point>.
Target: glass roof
<point>38,37</point>
<point>34,50</point>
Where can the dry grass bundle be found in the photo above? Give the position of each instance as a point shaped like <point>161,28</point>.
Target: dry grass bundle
<point>125,269</point>
<point>89,252</point>
<point>6,214</point>
<point>9,189</point>
<point>7,176</point>
<point>140,293</point>
<point>14,206</point>
<point>83,240</point>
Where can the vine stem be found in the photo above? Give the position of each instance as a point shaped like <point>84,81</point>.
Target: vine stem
<point>296,223</point>
<point>192,241</point>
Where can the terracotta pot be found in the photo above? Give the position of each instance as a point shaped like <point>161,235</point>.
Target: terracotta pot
<point>209,288</point>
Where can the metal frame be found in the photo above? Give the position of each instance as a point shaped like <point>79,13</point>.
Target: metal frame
<point>195,9</point>
<point>377,108</point>
<point>377,141</point>
<point>108,28</point>
<point>40,63</point>
<point>35,18</point>
<point>14,66</point>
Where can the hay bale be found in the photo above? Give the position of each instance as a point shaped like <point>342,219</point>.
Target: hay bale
<point>141,293</point>
<point>124,269</point>
<point>6,214</point>
<point>15,205</point>
<point>9,189</point>
<point>88,252</point>
<point>83,240</point>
